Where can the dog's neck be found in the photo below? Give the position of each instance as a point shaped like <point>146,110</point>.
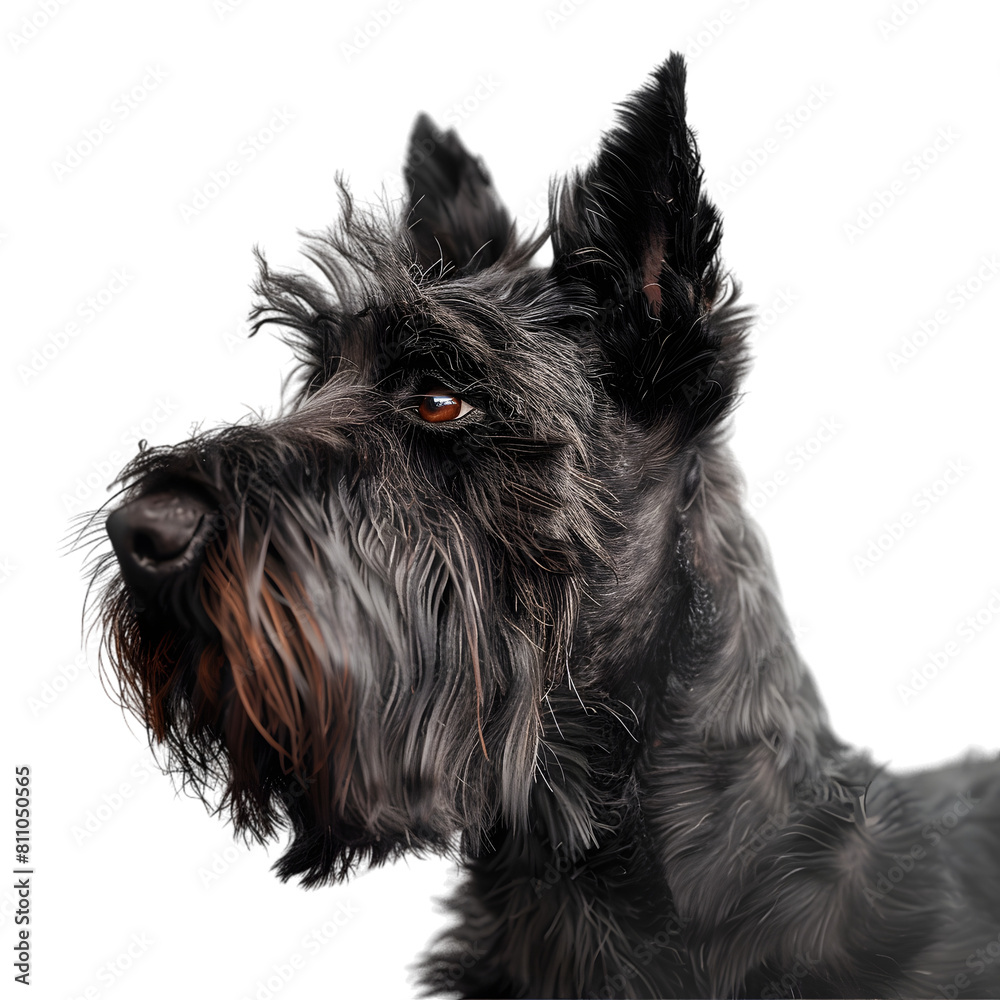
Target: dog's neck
<point>631,776</point>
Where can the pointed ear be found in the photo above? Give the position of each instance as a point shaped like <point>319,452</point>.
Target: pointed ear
<point>455,216</point>
<point>637,227</point>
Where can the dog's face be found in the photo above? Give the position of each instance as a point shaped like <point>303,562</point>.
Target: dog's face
<point>353,619</point>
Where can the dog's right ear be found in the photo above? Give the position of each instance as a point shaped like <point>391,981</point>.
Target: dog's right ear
<point>455,217</point>
<point>637,228</point>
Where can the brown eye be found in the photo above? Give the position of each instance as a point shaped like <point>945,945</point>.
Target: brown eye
<point>441,405</point>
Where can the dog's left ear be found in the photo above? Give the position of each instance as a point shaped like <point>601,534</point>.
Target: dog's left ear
<point>455,216</point>
<point>637,227</point>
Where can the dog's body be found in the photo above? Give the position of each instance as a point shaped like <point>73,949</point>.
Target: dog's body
<point>488,587</point>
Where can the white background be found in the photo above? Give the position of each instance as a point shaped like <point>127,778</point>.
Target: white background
<point>529,89</point>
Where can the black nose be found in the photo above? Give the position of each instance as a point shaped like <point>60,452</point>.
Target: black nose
<point>158,536</point>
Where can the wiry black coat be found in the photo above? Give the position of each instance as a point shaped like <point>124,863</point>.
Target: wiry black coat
<point>543,634</point>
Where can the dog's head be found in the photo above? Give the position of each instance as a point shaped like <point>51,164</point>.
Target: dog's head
<point>354,620</point>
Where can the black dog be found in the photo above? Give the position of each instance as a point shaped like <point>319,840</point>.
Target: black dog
<point>487,587</point>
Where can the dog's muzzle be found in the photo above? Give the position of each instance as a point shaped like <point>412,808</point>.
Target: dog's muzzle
<point>158,537</point>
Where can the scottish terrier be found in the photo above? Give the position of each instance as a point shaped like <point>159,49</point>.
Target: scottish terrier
<point>487,588</point>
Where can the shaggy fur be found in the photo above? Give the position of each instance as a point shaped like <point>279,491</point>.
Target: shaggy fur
<point>487,587</point>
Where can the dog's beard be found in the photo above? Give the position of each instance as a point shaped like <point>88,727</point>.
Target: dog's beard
<point>317,674</point>
<point>288,689</point>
